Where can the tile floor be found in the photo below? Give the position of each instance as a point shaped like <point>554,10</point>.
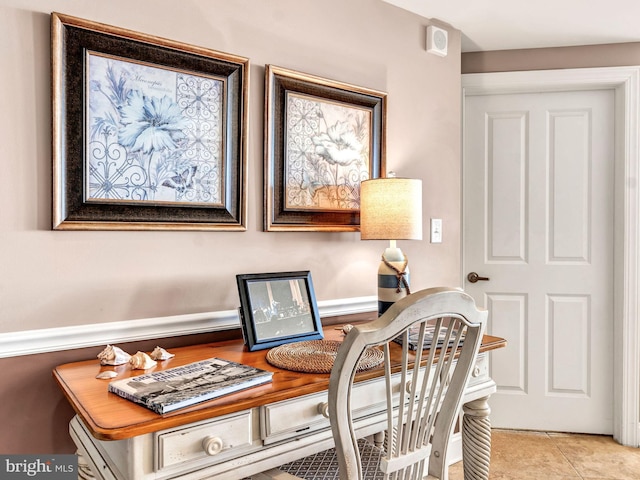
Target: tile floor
<point>519,455</point>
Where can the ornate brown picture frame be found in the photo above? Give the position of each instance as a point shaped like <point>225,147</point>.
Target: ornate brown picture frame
<point>148,133</point>
<point>322,138</point>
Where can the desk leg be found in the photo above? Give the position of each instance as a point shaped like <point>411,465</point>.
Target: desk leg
<point>476,439</point>
<point>84,472</point>
<point>378,439</point>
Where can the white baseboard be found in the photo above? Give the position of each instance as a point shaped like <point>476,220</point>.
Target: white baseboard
<point>14,344</point>
<point>454,453</point>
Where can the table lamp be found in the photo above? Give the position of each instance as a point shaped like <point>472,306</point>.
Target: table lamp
<point>391,209</point>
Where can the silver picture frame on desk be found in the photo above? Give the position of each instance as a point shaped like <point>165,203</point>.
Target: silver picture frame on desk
<point>278,308</point>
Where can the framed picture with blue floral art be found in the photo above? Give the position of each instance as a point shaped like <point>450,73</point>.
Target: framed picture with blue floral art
<point>148,133</point>
<point>322,138</point>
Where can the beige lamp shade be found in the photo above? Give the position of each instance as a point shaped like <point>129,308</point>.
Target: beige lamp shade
<point>391,209</point>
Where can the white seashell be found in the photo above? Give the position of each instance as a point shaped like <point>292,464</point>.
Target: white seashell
<point>161,354</point>
<point>113,356</point>
<point>107,374</point>
<point>347,328</point>
<point>142,361</point>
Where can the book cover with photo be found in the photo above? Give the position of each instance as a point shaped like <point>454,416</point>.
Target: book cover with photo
<point>168,390</point>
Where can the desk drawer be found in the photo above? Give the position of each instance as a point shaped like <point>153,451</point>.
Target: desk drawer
<point>213,440</point>
<point>480,372</point>
<point>301,416</point>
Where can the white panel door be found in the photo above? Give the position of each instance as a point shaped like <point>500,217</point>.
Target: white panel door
<point>538,222</point>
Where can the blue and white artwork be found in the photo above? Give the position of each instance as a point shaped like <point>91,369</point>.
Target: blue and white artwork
<point>326,154</point>
<point>153,134</point>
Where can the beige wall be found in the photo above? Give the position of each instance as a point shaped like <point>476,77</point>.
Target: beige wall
<point>54,279</point>
<point>588,56</point>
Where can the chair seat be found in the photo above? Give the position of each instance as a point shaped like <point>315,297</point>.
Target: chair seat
<point>324,465</point>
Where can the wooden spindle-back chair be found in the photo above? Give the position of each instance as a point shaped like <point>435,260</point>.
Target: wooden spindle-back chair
<point>424,389</point>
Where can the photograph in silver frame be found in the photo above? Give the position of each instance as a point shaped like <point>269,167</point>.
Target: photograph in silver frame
<point>278,308</point>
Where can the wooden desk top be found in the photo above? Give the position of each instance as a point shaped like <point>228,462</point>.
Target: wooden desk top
<point>110,417</point>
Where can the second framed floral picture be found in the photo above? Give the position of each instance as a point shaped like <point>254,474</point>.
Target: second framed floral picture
<point>322,138</point>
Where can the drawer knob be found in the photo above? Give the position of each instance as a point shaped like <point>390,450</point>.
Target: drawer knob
<point>212,445</point>
<point>323,409</point>
<point>476,371</point>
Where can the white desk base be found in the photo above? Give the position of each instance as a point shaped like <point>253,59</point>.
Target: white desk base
<point>249,442</point>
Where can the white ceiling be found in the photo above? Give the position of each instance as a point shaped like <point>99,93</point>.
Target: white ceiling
<point>509,24</point>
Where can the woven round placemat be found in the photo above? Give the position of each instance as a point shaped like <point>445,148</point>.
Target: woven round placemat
<point>316,356</point>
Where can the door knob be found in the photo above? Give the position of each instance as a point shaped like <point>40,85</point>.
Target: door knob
<point>473,277</point>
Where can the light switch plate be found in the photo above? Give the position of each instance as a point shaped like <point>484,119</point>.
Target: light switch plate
<point>436,230</point>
